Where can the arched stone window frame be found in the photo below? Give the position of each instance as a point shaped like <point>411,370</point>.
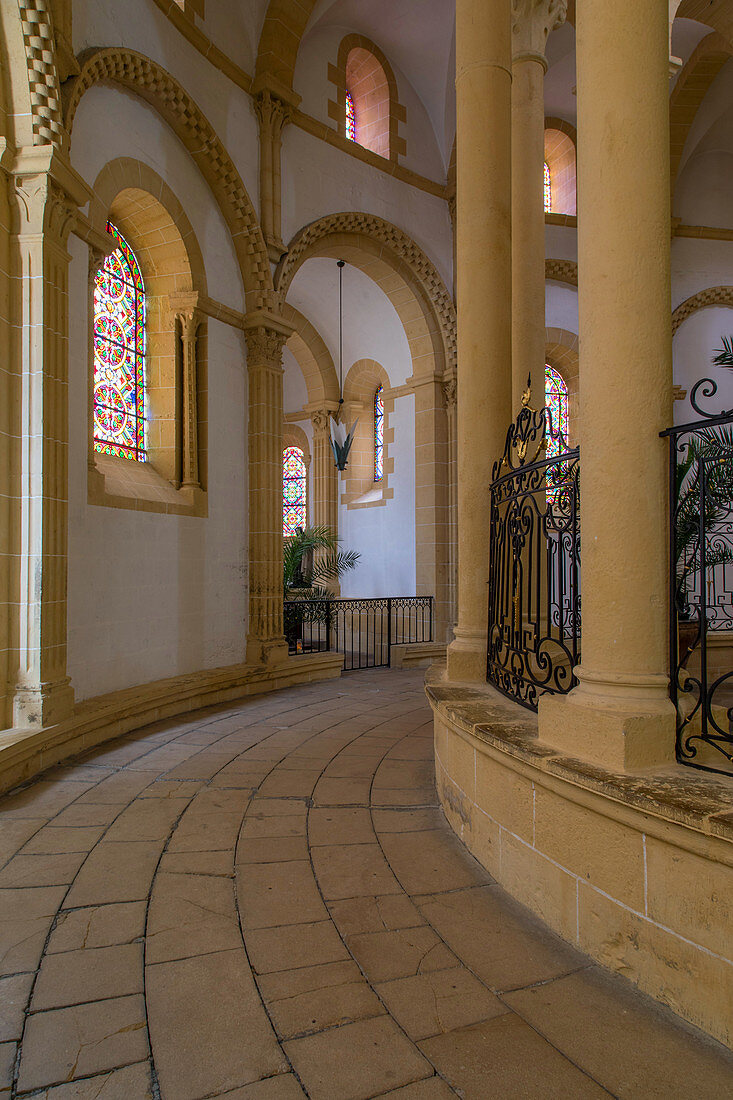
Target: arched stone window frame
<point>360,387</point>
<point>294,436</point>
<point>174,477</point>
<point>560,158</point>
<point>378,99</point>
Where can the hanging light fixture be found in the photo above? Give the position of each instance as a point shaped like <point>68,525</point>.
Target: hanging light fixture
<point>341,440</point>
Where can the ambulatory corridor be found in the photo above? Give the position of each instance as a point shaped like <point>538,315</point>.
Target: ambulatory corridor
<point>265,901</point>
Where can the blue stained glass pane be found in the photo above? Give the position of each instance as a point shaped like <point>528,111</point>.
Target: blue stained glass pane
<point>379,434</point>
<point>119,354</point>
<point>294,491</point>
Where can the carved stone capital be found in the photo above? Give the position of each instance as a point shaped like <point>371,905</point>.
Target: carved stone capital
<point>189,320</point>
<point>96,261</point>
<point>320,419</point>
<point>450,392</point>
<point>272,113</point>
<point>41,206</point>
<point>264,347</point>
<point>532,21</point>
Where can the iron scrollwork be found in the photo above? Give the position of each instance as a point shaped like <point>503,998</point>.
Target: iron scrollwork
<point>701,584</point>
<point>534,570</point>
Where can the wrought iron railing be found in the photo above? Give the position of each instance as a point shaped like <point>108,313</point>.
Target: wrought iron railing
<point>534,561</point>
<point>701,584</point>
<point>363,630</point>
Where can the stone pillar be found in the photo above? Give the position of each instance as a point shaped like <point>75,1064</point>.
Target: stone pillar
<point>96,262</point>
<point>532,21</point>
<point>189,321</point>
<point>265,335</point>
<point>431,500</point>
<point>620,714</point>
<point>449,396</point>
<point>45,194</point>
<point>483,274</point>
<point>273,109</point>
<point>324,475</point>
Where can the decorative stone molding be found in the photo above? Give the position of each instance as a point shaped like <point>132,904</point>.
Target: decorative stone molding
<point>532,21</point>
<point>713,296</point>
<point>156,86</point>
<point>400,248</point>
<point>43,81</point>
<point>273,112</point>
<point>562,271</point>
<point>320,419</point>
<point>264,346</point>
<point>450,392</point>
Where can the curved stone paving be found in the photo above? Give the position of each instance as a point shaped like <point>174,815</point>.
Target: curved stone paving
<point>264,901</point>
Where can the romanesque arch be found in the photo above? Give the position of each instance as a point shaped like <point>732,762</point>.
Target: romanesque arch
<point>562,271</point>
<point>163,92</point>
<point>384,251</point>
<point>713,296</point>
<point>313,358</point>
<point>693,84</point>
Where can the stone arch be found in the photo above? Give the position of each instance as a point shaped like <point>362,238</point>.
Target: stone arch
<point>562,271</point>
<point>360,386</point>
<point>163,92</point>
<point>561,352</point>
<point>125,173</point>
<point>397,265</point>
<point>41,75</point>
<point>282,30</point>
<point>693,84</point>
<point>560,157</point>
<point>713,296</point>
<point>313,358</point>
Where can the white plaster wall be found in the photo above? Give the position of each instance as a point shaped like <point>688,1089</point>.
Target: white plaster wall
<point>561,242</point>
<point>372,327</point>
<point>694,344</point>
<point>385,535</point>
<point>140,25</point>
<point>295,392</point>
<point>698,264</point>
<point>319,179</point>
<point>561,307</point>
<point>152,595</point>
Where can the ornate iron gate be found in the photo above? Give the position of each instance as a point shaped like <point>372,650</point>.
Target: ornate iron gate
<point>534,561</point>
<point>701,585</point>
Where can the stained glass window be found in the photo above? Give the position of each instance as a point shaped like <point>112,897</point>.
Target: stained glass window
<point>548,190</point>
<point>119,354</point>
<point>294,504</point>
<point>379,434</point>
<point>350,118</point>
<point>556,400</point>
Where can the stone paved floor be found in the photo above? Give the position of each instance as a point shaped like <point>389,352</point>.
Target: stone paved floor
<point>264,901</point>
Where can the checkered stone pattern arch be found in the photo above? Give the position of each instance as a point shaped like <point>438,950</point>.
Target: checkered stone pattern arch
<point>35,17</point>
<point>713,296</point>
<point>376,229</point>
<point>162,91</point>
<point>562,271</point>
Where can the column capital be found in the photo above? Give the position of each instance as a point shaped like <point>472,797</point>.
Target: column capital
<point>273,112</point>
<point>450,392</point>
<point>532,21</point>
<point>265,335</point>
<point>185,306</point>
<point>320,419</point>
<point>47,193</point>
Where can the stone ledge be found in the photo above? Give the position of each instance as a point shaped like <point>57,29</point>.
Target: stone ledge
<point>674,795</point>
<point>25,753</point>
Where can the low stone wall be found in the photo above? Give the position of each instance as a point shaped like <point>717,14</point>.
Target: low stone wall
<point>25,753</point>
<point>636,870</point>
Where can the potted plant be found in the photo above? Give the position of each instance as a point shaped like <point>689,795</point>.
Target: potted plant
<point>311,561</point>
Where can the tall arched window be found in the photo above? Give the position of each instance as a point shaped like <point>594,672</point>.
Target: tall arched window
<point>379,434</point>
<point>548,190</point>
<point>294,491</point>
<point>119,354</point>
<point>350,118</point>
<point>556,400</point>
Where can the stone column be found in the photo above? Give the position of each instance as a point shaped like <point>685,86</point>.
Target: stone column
<point>324,475</point>
<point>620,713</point>
<point>273,109</point>
<point>532,21</point>
<point>483,273</point>
<point>449,396</point>
<point>189,321</point>
<point>45,193</point>
<point>265,335</point>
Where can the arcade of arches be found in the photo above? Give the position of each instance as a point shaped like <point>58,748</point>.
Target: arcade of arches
<point>200,828</point>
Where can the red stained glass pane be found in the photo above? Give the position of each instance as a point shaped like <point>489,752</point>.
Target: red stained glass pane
<point>350,118</point>
<point>294,491</point>
<point>119,354</point>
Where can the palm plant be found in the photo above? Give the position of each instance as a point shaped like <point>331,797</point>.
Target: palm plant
<point>312,559</point>
<point>724,357</point>
<point>712,447</point>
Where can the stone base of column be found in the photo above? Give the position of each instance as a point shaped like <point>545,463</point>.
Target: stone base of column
<point>466,657</point>
<point>266,652</point>
<point>623,725</point>
<point>45,705</point>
